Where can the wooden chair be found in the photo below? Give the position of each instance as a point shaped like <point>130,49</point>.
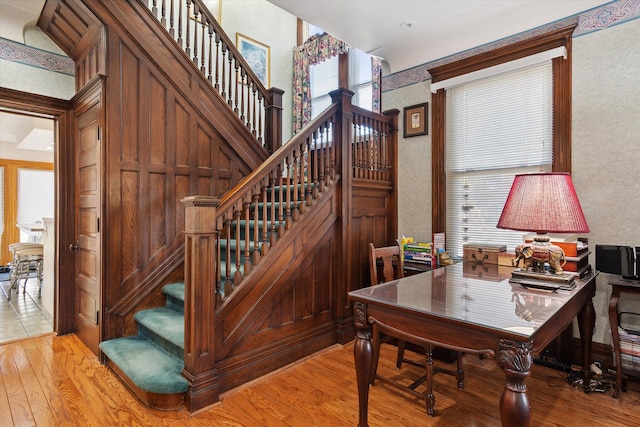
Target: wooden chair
<point>386,264</point>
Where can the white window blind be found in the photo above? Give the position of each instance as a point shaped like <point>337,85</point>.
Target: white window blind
<point>496,127</point>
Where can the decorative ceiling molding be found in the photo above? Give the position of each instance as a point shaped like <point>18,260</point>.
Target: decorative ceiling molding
<point>597,19</point>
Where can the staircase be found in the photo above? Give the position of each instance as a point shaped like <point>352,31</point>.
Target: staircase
<point>253,304</point>
<point>151,362</point>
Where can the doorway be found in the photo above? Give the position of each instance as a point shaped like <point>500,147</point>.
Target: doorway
<point>50,229</point>
<point>26,222</point>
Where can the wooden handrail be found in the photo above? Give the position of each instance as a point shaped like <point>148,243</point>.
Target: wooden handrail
<point>214,54</point>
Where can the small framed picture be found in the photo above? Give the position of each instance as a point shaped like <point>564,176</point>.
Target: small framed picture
<point>257,55</point>
<point>415,120</point>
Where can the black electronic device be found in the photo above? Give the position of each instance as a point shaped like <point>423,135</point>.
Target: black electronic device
<point>616,259</point>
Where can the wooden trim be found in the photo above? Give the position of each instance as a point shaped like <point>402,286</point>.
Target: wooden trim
<point>561,103</point>
<point>438,169</point>
<point>562,111</point>
<point>11,232</point>
<point>61,112</point>
<point>504,54</point>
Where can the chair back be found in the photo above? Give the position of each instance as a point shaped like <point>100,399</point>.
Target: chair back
<point>385,264</point>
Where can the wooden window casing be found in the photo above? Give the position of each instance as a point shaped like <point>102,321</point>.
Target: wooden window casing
<point>561,106</point>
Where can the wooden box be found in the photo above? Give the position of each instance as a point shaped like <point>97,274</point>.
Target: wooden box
<point>485,271</point>
<point>482,253</point>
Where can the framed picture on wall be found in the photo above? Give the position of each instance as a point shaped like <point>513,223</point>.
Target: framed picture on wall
<point>257,55</point>
<point>415,120</point>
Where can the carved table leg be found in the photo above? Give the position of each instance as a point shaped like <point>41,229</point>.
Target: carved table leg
<point>515,359</point>
<point>363,355</point>
<point>586,322</point>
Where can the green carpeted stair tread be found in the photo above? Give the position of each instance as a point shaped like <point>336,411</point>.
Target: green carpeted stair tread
<point>149,367</point>
<point>175,290</point>
<point>174,293</point>
<point>164,326</point>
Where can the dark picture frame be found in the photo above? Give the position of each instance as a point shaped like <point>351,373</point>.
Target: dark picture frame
<point>415,120</point>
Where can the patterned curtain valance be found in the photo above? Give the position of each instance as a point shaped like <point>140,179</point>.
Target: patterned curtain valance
<point>321,47</point>
<point>317,49</point>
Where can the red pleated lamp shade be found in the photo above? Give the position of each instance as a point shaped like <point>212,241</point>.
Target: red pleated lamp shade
<point>543,203</point>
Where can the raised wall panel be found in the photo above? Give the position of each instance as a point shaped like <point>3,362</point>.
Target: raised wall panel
<point>129,104</point>
<point>158,121</point>
<point>205,159</point>
<point>181,133</point>
<point>157,213</point>
<point>129,223</point>
<point>181,191</point>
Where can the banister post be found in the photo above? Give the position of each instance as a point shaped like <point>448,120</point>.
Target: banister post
<point>274,121</point>
<point>200,270</point>
<point>344,164</point>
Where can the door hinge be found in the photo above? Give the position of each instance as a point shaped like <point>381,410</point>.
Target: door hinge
<point>97,317</point>
<point>98,133</point>
<point>97,225</point>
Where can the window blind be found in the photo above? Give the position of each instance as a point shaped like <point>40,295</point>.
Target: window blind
<point>496,127</point>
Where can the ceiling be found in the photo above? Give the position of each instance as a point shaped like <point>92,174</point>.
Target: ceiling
<point>408,33</point>
<point>17,131</point>
<point>405,33</point>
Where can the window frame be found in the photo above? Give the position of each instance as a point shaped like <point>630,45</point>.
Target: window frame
<point>561,107</point>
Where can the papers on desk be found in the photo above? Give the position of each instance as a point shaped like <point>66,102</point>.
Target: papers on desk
<point>543,284</point>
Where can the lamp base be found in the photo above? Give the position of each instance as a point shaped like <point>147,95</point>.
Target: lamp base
<point>546,280</point>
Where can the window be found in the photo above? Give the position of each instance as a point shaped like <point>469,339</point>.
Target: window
<point>560,98</point>
<point>496,127</point>
<point>35,197</point>
<point>324,79</point>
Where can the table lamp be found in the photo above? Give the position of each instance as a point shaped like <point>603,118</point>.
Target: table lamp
<point>544,202</point>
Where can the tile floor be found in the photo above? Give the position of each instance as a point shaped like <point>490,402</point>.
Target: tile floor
<point>22,316</point>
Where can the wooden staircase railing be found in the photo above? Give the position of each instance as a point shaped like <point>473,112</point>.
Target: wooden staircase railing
<point>262,208</point>
<point>225,239</point>
<point>200,36</point>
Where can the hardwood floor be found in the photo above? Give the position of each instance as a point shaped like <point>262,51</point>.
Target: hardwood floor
<point>56,381</point>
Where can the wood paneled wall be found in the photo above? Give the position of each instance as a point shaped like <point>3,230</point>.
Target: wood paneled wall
<point>167,135</point>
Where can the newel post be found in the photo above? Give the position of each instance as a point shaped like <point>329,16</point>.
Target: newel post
<point>273,131</point>
<point>200,268</point>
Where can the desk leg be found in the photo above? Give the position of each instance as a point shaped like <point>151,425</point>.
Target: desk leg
<point>363,355</point>
<point>586,322</point>
<point>613,320</point>
<point>515,359</point>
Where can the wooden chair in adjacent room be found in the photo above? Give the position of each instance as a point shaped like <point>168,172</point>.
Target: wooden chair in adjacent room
<point>386,264</point>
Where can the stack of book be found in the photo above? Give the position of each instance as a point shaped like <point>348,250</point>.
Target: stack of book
<point>418,252</point>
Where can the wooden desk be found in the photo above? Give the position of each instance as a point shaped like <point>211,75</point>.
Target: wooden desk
<point>448,308</point>
<point>618,284</point>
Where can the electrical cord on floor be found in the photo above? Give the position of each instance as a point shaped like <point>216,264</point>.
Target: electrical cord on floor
<point>601,382</point>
